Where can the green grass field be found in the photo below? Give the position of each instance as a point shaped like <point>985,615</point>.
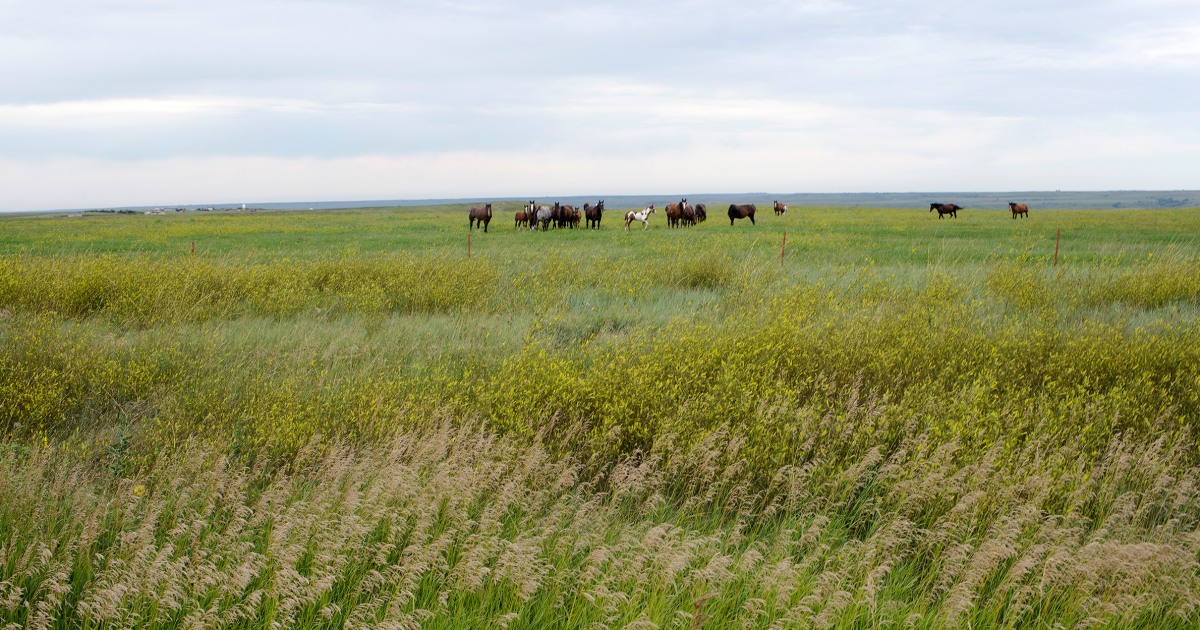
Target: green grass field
<point>337,419</point>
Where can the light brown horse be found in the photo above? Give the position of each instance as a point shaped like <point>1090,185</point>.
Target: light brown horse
<point>523,218</point>
<point>1019,208</point>
<point>481,213</point>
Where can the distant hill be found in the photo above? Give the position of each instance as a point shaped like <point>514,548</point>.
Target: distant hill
<point>979,200</point>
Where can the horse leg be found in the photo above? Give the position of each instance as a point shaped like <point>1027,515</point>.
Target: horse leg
<point>752,220</point>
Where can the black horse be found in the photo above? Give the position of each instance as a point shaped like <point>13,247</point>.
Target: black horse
<point>745,211</point>
<point>593,214</point>
<point>945,208</point>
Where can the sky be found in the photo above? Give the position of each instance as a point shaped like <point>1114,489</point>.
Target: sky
<point>107,103</point>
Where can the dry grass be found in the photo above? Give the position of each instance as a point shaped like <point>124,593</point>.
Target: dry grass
<point>453,527</point>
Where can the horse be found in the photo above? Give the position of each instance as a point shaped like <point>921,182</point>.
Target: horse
<point>576,215</point>
<point>945,208</point>
<point>593,214</point>
<point>538,215</point>
<point>689,215</point>
<point>545,214</point>
<point>568,216</point>
<point>523,218</point>
<point>481,213</point>
<point>780,209</point>
<point>674,213</point>
<point>1019,208</point>
<point>556,215</point>
<point>745,211</point>
<point>643,216</point>
<point>701,213</point>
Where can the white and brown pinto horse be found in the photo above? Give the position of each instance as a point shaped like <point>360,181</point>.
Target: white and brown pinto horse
<point>780,209</point>
<point>643,216</point>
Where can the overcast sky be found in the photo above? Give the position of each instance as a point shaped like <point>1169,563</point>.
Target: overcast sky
<point>145,102</point>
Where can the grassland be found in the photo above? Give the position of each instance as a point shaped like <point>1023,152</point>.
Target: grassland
<point>337,419</point>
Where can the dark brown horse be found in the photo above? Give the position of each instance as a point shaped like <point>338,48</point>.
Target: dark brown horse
<point>945,208</point>
<point>674,212</point>
<point>523,218</point>
<point>701,213</point>
<point>780,209</point>
<point>481,213</point>
<point>593,214</point>
<point>744,211</point>
<point>568,216</point>
<point>1019,208</point>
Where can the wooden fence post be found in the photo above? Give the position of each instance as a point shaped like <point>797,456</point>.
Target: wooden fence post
<point>783,248</point>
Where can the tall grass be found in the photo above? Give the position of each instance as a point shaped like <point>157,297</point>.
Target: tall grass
<point>602,430</point>
<point>453,527</point>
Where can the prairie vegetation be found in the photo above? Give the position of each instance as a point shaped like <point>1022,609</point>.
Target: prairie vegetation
<point>337,419</point>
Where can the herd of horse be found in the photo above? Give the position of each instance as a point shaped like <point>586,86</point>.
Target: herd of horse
<point>543,217</point>
<point>534,216</point>
<point>1017,209</point>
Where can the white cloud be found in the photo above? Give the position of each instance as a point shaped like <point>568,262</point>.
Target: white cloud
<point>323,100</point>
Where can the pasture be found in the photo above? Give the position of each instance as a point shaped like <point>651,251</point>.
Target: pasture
<point>337,419</point>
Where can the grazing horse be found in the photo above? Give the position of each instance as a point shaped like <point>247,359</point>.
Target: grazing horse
<point>945,208</point>
<point>1019,208</point>
<point>701,213</point>
<point>780,209</point>
<point>643,216</point>
<point>745,211</point>
<point>593,214</point>
<point>481,213</point>
<point>675,213</point>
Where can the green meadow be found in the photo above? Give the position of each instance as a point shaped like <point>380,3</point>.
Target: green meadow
<point>842,417</point>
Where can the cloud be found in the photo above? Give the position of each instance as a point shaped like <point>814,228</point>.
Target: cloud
<point>864,95</point>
